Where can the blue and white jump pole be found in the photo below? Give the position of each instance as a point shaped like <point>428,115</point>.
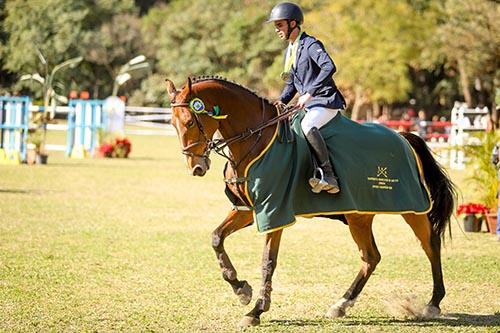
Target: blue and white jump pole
<point>14,118</point>
<point>85,118</point>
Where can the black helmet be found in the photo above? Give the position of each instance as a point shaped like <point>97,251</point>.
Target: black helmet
<point>286,11</point>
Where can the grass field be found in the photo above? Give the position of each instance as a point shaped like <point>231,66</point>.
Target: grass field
<point>125,245</point>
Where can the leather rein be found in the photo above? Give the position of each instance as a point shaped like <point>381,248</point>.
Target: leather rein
<point>218,145</point>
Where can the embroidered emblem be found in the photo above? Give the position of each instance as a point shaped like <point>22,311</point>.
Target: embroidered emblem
<point>382,181</point>
<point>382,172</point>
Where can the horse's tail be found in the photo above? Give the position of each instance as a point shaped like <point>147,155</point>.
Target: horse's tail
<point>443,191</point>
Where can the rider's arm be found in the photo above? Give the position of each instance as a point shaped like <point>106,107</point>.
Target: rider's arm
<point>289,91</point>
<point>319,55</point>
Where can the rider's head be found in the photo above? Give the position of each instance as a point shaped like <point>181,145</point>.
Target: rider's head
<point>286,17</point>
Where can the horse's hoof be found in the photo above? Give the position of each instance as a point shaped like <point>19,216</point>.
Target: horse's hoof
<point>335,312</point>
<point>431,311</point>
<point>248,321</point>
<point>245,293</point>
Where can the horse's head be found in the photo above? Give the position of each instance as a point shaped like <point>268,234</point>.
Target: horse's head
<point>194,126</point>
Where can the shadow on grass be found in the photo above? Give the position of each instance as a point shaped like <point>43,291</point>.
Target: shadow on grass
<point>449,320</point>
<point>13,191</point>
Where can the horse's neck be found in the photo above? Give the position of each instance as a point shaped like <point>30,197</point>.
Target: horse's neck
<point>247,113</point>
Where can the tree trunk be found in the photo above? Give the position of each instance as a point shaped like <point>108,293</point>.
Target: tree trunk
<point>464,81</point>
<point>376,110</point>
<point>359,100</point>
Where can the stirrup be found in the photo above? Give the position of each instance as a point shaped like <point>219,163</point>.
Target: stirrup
<point>317,184</point>
<point>320,184</point>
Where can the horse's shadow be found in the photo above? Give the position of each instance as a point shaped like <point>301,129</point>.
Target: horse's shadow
<point>451,319</point>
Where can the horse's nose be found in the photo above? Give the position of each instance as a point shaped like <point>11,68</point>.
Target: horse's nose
<point>199,171</point>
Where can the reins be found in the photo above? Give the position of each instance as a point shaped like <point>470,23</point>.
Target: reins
<point>218,145</point>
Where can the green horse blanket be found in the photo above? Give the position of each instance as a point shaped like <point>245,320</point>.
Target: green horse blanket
<point>377,169</point>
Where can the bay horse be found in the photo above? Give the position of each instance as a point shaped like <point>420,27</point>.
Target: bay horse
<point>199,110</point>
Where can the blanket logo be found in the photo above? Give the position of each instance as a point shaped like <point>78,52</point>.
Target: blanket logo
<point>382,181</point>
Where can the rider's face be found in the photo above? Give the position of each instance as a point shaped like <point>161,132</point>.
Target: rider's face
<point>281,28</point>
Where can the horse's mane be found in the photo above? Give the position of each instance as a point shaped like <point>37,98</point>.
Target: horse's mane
<point>225,81</point>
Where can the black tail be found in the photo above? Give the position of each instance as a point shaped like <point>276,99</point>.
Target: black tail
<point>443,192</point>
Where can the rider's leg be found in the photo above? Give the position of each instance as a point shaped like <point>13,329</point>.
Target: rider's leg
<point>314,119</point>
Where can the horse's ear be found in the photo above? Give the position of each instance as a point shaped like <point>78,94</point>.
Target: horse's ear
<point>189,84</point>
<point>170,89</point>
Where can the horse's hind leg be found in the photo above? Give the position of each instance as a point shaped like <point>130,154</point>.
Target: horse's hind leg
<point>269,261</point>
<point>235,221</point>
<point>360,227</point>
<point>431,243</point>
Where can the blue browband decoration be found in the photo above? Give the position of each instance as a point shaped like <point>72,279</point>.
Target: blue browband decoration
<point>197,106</point>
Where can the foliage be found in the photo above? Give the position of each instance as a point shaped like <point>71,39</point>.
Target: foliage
<point>152,92</point>
<point>482,176</point>
<point>60,29</point>
<point>213,37</point>
<point>468,35</point>
<point>372,58</point>
<point>113,45</point>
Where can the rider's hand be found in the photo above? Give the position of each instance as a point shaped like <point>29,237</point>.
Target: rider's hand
<point>279,104</point>
<point>303,100</point>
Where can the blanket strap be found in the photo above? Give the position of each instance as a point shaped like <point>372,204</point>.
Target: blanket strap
<point>236,180</point>
<point>243,208</point>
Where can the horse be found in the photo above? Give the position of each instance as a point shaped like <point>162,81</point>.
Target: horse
<point>214,114</point>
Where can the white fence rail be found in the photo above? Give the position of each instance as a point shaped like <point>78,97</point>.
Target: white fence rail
<point>155,120</point>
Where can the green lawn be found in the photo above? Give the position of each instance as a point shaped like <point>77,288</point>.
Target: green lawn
<point>125,245</point>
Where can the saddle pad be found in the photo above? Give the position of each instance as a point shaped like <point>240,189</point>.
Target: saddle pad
<point>377,170</point>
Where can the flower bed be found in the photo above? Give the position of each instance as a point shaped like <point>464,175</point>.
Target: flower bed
<point>120,148</point>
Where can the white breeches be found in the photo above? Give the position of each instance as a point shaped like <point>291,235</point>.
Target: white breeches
<point>317,117</point>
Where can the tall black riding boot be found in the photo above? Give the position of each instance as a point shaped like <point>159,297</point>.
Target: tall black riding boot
<point>328,181</point>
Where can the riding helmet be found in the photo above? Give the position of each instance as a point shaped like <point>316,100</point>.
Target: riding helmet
<point>286,11</point>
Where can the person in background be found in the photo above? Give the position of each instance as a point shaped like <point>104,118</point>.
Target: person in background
<point>308,71</point>
<point>495,160</point>
<point>421,123</point>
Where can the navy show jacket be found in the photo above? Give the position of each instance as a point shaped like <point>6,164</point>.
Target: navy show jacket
<point>312,73</point>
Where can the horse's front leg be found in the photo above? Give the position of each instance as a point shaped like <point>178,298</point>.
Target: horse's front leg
<point>269,260</point>
<point>235,221</point>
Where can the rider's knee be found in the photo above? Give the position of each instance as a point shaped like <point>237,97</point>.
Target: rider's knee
<point>306,125</point>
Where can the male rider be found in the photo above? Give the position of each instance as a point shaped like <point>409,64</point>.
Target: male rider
<point>308,70</point>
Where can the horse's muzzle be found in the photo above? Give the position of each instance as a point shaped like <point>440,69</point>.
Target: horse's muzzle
<point>201,168</point>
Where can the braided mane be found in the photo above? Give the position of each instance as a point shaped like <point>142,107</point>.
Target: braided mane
<point>225,81</point>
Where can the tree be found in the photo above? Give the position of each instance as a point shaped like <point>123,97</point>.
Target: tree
<point>373,42</point>
<point>469,38</point>
<point>213,37</point>
<point>109,47</point>
<point>60,30</point>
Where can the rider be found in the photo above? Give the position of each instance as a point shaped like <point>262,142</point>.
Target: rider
<point>308,70</point>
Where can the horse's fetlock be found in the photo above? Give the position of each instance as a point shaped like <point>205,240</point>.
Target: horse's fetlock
<point>263,304</point>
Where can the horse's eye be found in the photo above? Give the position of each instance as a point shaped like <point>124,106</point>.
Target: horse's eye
<point>190,124</point>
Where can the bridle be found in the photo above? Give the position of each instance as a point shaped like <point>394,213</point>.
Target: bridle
<point>218,145</point>
<point>187,149</point>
